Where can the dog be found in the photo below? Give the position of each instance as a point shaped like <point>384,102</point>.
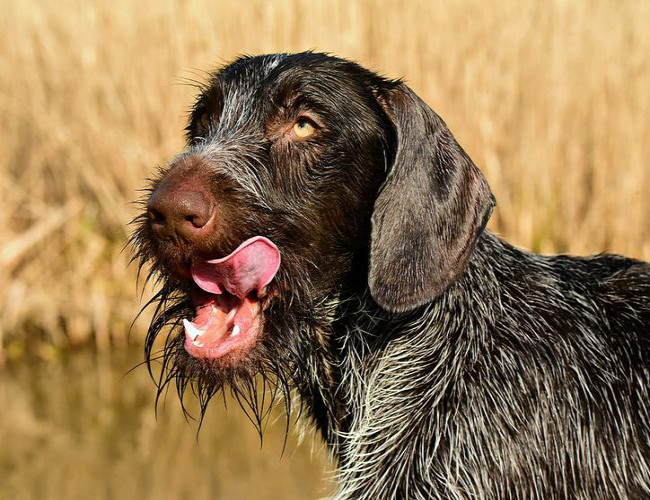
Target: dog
<point>321,241</point>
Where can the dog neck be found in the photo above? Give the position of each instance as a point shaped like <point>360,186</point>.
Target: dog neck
<point>376,369</point>
<point>368,359</point>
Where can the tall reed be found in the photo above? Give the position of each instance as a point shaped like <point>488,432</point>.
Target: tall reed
<point>551,99</point>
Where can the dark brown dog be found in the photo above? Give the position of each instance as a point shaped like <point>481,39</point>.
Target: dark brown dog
<point>323,232</point>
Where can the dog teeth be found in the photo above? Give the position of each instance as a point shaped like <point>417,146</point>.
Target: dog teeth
<point>231,315</point>
<point>192,330</point>
<point>235,330</point>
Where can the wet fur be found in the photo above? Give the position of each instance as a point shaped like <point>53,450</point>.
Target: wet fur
<point>490,372</point>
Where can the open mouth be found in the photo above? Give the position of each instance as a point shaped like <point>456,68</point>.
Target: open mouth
<point>228,306</point>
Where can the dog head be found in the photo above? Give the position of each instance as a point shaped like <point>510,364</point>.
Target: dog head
<point>305,178</point>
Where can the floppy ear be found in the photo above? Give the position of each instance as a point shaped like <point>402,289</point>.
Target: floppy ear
<point>430,211</point>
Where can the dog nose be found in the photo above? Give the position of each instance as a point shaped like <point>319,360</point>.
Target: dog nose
<point>180,213</point>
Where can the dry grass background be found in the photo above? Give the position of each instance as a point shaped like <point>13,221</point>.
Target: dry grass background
<point>551,99</point>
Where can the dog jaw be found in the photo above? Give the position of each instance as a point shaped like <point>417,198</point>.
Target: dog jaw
<point>227,302</point>
<point>223,326</point>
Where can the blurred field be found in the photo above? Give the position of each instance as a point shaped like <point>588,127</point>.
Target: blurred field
<point>83,429</point>
<point>551,99</point>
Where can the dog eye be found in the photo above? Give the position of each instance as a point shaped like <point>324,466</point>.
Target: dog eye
<point>303,128</point>
<point>203,124</point>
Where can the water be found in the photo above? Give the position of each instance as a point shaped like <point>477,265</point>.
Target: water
<point>81,428</point>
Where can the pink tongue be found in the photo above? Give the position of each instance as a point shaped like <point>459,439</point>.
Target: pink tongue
<point>250,267</point>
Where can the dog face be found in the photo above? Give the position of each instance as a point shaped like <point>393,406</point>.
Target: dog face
<point>306,178</point>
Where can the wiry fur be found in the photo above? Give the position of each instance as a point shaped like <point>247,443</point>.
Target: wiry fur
<point>528,378</point>
<point>503,374</point>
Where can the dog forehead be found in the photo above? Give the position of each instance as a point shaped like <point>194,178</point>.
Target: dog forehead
<point>256,69</point>
<point>248,72</point>
<point>277,74</point>
<point>255,89</point>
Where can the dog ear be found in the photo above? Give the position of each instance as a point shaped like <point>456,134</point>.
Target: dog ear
<point>430,211</point>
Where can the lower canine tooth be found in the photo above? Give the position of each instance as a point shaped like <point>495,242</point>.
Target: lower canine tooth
<point>192,330</point>
<point>235,330</point>
<point>231,315</point>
